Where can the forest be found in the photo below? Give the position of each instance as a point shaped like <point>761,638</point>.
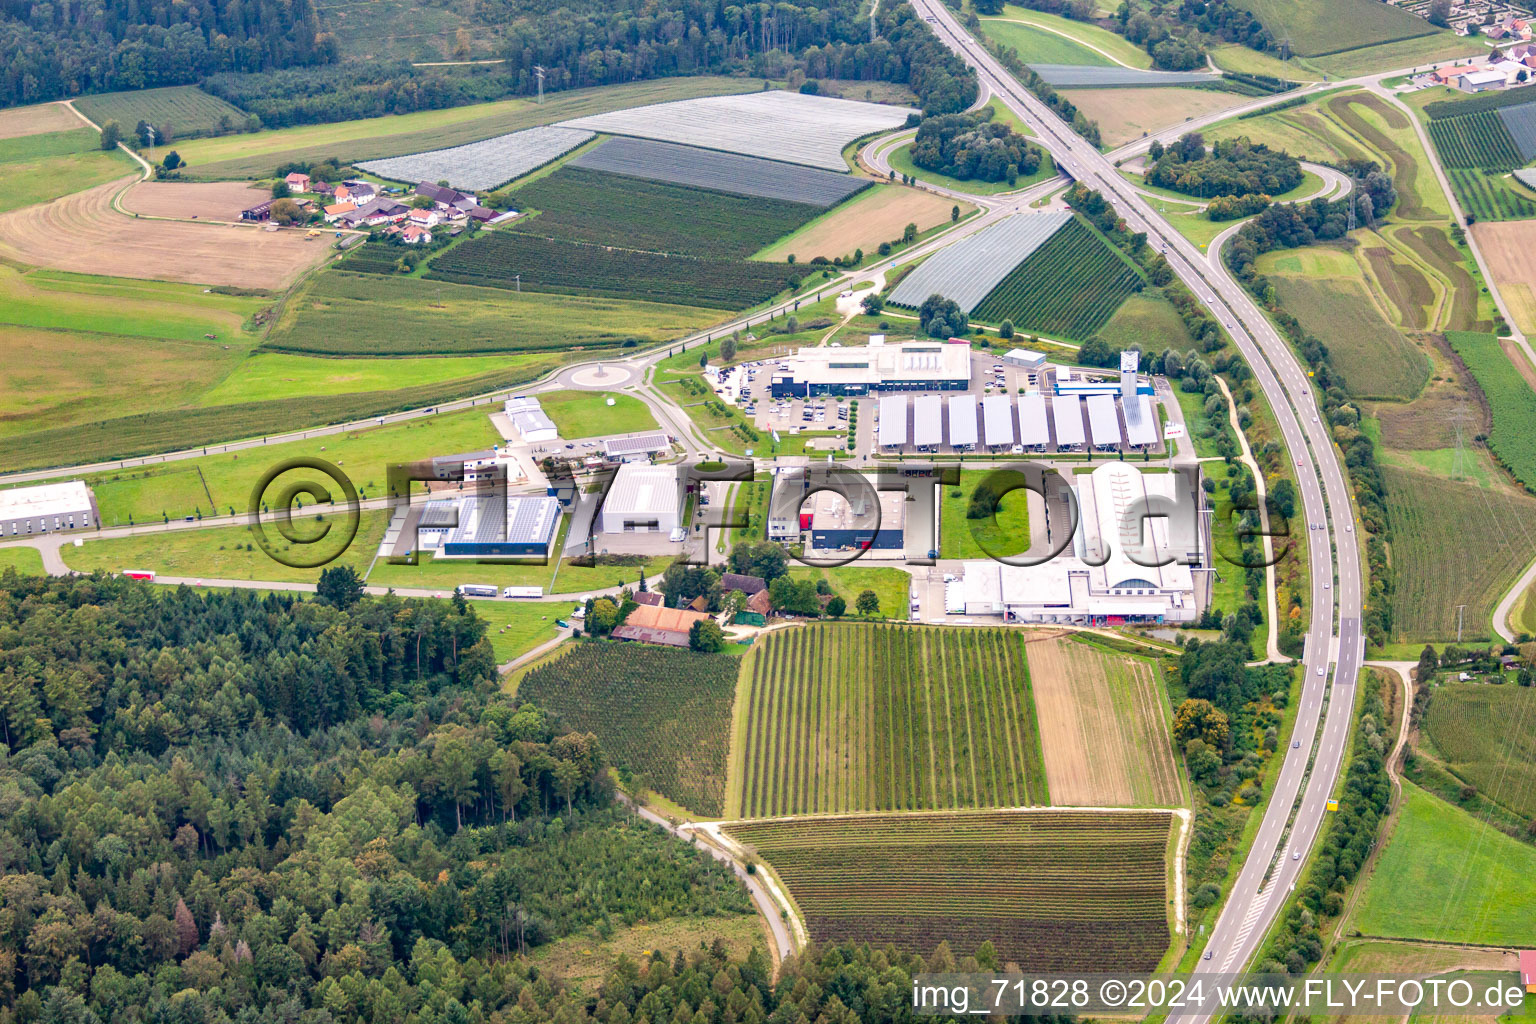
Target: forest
<point>229,807</point>
<point>973,147</point>
<point>1176,37</point>
<point>54,50</point>
<point>1232,167</point>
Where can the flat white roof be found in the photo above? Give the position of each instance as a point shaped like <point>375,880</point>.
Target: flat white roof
<point>45,500</point>
<point>962,419</point>
<point>639,487</point>
<point>927,420</point>
<point>1067,411</point>
<point>1483,77</point>
<point>1032,426</point>
<point>910,362</point>
<point>997,412</point>
<point>1141,421</point>
<point>893,420</point>
<point>1102,419</point>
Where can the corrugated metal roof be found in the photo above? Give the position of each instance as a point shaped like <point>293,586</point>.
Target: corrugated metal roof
<point>438,515</point>
<point>1033,428</point>
<point>893,420</point>
<point>1067,411</point>
<point>1103,420</point>
<point>927,420</point>
<point>652,442</point>
<point>997,412</point>
<point>532,519</point>
<point>641,488</point>
<point>962,419</point>
<point>972,267</point>
<point>1141,421</point>
<point>532,421</point>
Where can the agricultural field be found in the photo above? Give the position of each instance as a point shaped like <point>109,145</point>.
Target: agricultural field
<point>1478,139</point>
<point>1125,115</point>
<point>1148,319</point>
<point>184,200</point>
<point>229,552</point>
<point>1036,45</point>
<point>793,127</point>
<point>1510,249</point>
<point>722,172</point>
<point>586,414</point>
<point>1009,536</point>
<point>497,258</point>
<point>838,717</point>
<point>479,166</point>
<point>1104,718</point>
<point>1051,890</point>
<point>1511,400</point>
<point>1400,54</point>
<point>56,300</point>
<point>1069,287</point>
<point>1486,736</point>
<point>968,270</point>
<point>662,713</point>
<point>1470,882</point>
<point>1489,197</point>
<point>1112,45</point>
<point>256,154</point>
<point>879,215</point>
<point>267,376</point>
<point>185,110</point>
<point>39,119</point>
<point>1317,27</point>
<point>40,168</point>
<point>1520,121</point>
<point>1246,61</point>
<point>82,233</point>
<point>580,205</point>
<point>336,313</point>
<point>1452,544</point>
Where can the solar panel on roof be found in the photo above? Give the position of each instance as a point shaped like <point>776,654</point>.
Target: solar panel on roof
<point>893,420</point>
<point>1141,422</point>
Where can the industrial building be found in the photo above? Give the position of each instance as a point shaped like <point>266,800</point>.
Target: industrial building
<point>1067,414</point>
<point>1024,358</point>
<point>997,421</point>
<point>835,524</point>
<point>47,508</point>
<point>641,499</point>
<point>637,447</point>
<point>927,422</point>
<point>1034,431</point>
<point>962,422</point>
<point>532,423</point>
<point>482,525</point>
<point>919,365</point>
<point>1095,581</point>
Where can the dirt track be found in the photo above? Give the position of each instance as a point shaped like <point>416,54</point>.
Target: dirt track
<point>212,200</point>
<point>82,233</point>
<point>37,120</point>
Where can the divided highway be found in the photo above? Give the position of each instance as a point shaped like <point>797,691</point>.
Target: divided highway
<point>1300,790</point>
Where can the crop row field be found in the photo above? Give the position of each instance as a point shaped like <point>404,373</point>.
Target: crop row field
<point>478,166</point>
<point>1069,287</point>
<point>1317,27</point>
<point>790,126</point>
<point>1487,196</point>
<point>576,204</point>
<point>967,270</point>
<point>1520,122</point>
<point>723,172</point>
<point>846,717</point>
<point>505,259</point>
<point>1511,400</point>
<point>187,111</point>
<point>1475,140</point>
<point>659,712</point>
<point>1487,737</point>
<point>1051,890</point>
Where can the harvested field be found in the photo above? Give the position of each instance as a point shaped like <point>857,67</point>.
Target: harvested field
<point>83,233</point>
<point>1510,249</point>
<point>37,120</point>
<point>879,215</point>
<point>213,200</point>
<point>1051,890</point>
<point>1126,114</point>
<point>1104,726</point>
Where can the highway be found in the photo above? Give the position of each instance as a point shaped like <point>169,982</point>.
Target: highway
<point>1334,637</point>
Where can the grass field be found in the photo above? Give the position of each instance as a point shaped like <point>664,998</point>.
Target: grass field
<point>843,717</point>
<point>891,586</point>
<point>183,110</point>
<point>1127,114</point>
<point>1067,288</point>
<point>519,626</point>
<point>38,168</point>
<point>584,960</point>
<point>23,560</point>
<point>586,413</point>
<point>257,155</point>
<point>58,300</point>
<point>1316,27</point>
<point>273,375</point>
<point>1051,890</point>
<point>1486,735</point>
<point>901,161</point>
<point>660,712</point>
<point>1035,45</point>
<point>878,214</point>
<point>555,578</point>
<point>337,313</point>
<point>38,119</point>
<point>1470,882</point>
<point>1452,544</point>
<point>1401,54</point>
<point>1104,722</point>
<point>228,552</point>
<point>1245,61</point>
<point>1089,35</point>
<point>1008,534</point>
<point>1511,399</point>
<point>1150,320</point>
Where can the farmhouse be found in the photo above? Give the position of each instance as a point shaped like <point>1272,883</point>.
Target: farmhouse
<point>47,508</point>
<point>656,624</point>
<point>414,235</point>
<point>424,218</point>
<point>1097,582</point>
<point>642,499</point>
<point>336,211</point>
<point>514,525</point>
<point>907,366</point>
<point>297,181</point>
<point>1528,969</point>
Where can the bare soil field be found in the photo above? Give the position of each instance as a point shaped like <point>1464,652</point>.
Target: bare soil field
<point>1103,727</point>
<point>1126,114</point>
<point>876,215</point>
<point>211,200</point>
<point>37,120</point>
<point>82,233</point>
<point>1510,249</point>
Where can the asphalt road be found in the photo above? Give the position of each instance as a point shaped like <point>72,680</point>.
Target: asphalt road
<point>1333,636</point>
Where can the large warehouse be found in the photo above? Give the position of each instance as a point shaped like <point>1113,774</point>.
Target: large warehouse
<point>47,508</point>
<point>521,526</point>
<point>1096,582</point>
<point>837,525</point>
<point>642,499</point>
<point>924,365</point>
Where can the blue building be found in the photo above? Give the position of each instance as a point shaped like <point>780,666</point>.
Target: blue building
<point>517,526</point>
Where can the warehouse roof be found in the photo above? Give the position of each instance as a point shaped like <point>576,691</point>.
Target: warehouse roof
<point>1067,411</point>
<point>521,403</point>
<point>441,514</point>
<point>1033,428</point>
<point>45,500</point>
<point>893,420</point>
<point>997,413</point>
<point>962,419</point>
<point>641,488</point>
<point>831,511</point>
<point>928,420</point>
<point>910,362</point>
<point>1103,422</point>
<point>1141,421</point>
<point>655,441</point>
<point>532,421</point>
<point>520,519</point>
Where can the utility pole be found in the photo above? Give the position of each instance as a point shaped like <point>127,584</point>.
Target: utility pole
<point>538,70</point>
<point>517,279</point>
<point>1459,609</point>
